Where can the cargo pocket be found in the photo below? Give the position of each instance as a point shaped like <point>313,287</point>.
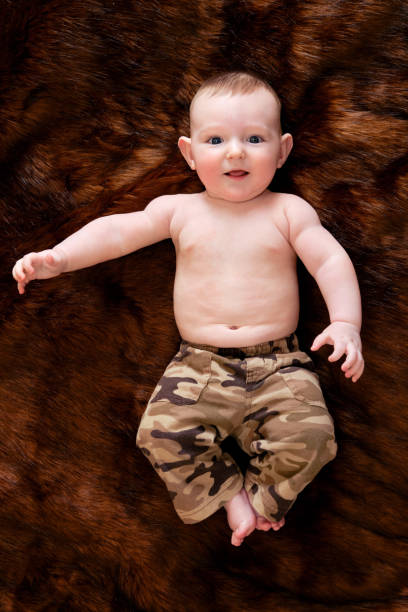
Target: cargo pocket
<point>185,378</point>
<point>303,384</point>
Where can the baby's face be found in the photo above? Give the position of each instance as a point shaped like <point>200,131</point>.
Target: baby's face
<point>237,144</point>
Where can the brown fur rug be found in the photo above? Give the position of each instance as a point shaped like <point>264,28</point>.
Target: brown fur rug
<point>94,94</point>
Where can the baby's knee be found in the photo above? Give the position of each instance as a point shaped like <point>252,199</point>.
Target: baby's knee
<point>322,443</point>
<point>144,439</point>
<point>140,435</point>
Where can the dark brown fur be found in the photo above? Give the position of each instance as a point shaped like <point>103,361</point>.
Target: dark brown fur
<point>94,94</point>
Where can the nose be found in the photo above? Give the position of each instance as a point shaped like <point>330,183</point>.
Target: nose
<point>235,150</point>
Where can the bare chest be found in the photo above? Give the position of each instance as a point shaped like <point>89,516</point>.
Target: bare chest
<point>231,238</point>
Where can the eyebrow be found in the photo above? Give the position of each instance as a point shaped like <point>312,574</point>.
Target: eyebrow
<point>220,127</point>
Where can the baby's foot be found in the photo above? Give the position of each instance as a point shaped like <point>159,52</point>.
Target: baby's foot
<point>278,525</point>
<point>241,517</point>
<point>264,525</point>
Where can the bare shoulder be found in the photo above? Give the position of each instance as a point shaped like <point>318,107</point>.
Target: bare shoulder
<point>294,205</point>
<point>162,209</point>
<point>289,203</point>
<point>170,203</point>
<point>161,205</point>
<point>171,211</point>
<point>299,213</point>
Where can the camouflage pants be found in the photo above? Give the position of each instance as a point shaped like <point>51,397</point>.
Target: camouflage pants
<point>267,397</point>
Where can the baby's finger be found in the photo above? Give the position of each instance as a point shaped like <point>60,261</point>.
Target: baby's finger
<point>21,287</point>
<point>359,372</point>
<point>315,344</point>
<point>352,356</point>
<point>339,350</point>
<point>18,271</point>
<point>15,272</point>
<point>28,263</point>
<point>354,370</point>
<point>319,341</point>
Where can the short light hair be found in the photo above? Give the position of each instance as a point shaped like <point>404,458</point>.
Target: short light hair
<point>238,82</point>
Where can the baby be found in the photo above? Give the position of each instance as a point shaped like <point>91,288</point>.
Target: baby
<point>239,371</point>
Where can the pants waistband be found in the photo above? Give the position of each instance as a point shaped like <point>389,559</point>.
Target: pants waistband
<point>283,345</point>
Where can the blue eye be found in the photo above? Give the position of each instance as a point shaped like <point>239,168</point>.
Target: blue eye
<point>214,140</point>
<point>254,139</point>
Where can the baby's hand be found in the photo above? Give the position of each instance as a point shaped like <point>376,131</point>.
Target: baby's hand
<point>45,264</point>
<point>345,338</point>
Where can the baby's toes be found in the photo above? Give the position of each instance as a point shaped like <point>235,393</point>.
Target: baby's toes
<point>278,525</point>
<point>236,540</point>
<point>263,524</point>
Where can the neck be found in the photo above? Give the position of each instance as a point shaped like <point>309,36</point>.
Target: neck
<point>235,203</point>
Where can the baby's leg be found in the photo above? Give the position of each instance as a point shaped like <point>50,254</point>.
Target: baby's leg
<point>281,468</point>
<point>289,435</point>
<point>241,517</point>
<point>181,434</point>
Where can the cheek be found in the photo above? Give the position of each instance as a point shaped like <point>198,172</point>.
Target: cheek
<point>267,162</point>
<point>264,170</point>
<point>208,164</point>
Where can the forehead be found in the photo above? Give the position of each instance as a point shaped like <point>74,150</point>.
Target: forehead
<point>258,106</point>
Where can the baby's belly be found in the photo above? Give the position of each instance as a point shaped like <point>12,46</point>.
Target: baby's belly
<point>237,316</point>
<point>227,336</point>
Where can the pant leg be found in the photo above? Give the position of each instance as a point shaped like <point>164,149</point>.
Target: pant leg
<point>181,431</point>
<point>289,434</point>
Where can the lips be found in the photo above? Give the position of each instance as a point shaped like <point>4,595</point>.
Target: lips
<point>237,173</point>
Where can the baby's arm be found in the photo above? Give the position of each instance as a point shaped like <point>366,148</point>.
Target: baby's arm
<point>329,264</point>
<point>102,239</point>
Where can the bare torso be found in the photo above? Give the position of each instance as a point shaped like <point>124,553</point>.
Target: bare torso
<point>236,282</point>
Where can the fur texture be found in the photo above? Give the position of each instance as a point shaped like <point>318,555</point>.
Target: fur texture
<point>94,94</point>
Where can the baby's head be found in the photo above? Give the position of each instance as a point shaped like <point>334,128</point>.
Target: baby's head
<point>236,142</point>
<point>230,84</point>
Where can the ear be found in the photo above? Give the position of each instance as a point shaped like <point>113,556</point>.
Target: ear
<point>184,145</point>
<point>286,147</point>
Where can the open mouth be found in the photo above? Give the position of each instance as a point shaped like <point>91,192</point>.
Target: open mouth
<point>236,173</point>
